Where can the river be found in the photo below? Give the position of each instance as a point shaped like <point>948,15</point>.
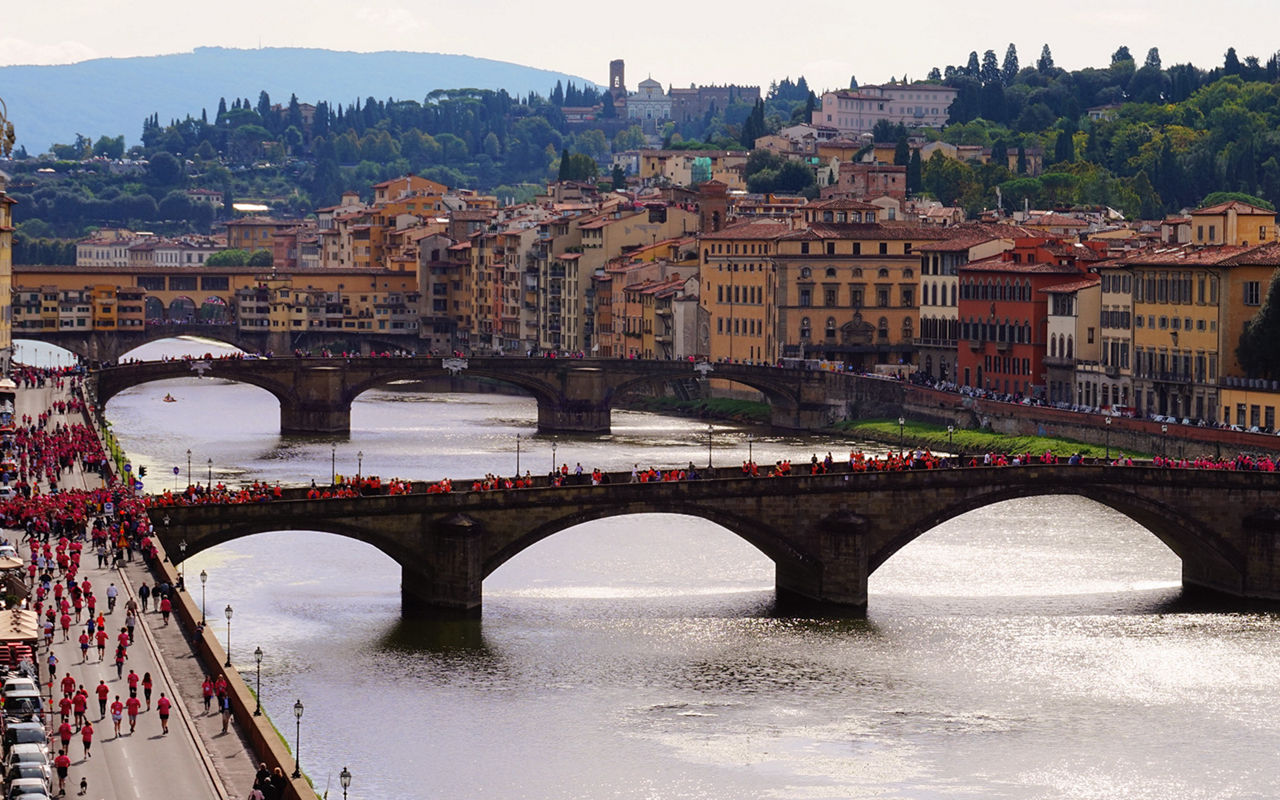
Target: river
<point>1032,649</point>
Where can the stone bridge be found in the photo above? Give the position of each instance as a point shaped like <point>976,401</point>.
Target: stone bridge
<point>103,346</point>
<point>826,534</point>
<point>573,395</point>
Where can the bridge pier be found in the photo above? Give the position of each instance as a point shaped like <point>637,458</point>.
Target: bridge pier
<point>583,405</point>
<point>297,418</point>
<point>839,583</point>
<point>446,581</point>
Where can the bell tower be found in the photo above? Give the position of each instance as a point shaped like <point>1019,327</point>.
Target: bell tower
<point>617,79</point>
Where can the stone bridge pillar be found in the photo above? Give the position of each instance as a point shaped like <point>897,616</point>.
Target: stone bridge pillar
<point>319,404</point>
<point>582,406</point>
<point>446,580</point>
<point>839,583</point>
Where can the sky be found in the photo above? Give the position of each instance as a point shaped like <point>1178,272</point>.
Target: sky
<point>677,42</point>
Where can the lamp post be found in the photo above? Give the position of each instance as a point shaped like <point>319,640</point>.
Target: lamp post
<point>182,550</point>
<point>517,465</point>
<point>209,477</point>
<point>333,463</point>
<point>1108,439</point>
<point>359,463</point>
<point>257,659</point>
<point>204,578</point>
<point>297,740</point>
<point>902,422</point>
<point>188,467</point>
<point>1164,441</point>
<point>228,613</point>
<point>709,431</point>
<point>344,778</point>
<point>951,429</point>
<point>750,440</point>
<point>553,455</point>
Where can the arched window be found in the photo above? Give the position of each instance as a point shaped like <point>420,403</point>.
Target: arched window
<point>907,333</point>
<point>804,328</point>
<point>831,328</point>
<point>1069,348</point>
<point>805,272</point>
<point>831,272</point>
<point>882,328</point>
<point>1053,346</point>
<point>883,273</point>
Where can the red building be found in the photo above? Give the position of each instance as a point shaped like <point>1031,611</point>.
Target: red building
<point>1003,313</point>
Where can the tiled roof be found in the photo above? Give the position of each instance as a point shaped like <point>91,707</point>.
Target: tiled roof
<point>750,230</point>
<point>1236,205</point>
<point>1075,286</point>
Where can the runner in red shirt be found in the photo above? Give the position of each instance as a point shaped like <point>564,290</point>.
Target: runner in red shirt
<point>61,764</point>
<point>86,736</point>
<point>68,684</point>
<point>132,705</point>
<point>117,713</point>
<point>101,638</point>
<point>102,691</point>
<point>162,706</point>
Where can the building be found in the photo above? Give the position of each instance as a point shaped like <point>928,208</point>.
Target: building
<point>6,275</point>
<point>737,273</point>
<point>1232,223</point>
<point>649,105</point>
<point>916,105</point>
<point>1074,342</point>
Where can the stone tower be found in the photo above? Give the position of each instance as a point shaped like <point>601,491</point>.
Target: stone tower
<point>617,80</point>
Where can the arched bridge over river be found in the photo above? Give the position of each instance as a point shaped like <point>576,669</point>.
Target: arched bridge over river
<point>826,534</point>
<point>573,395</point>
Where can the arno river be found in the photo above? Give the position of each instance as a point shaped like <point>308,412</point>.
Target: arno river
<point>1034,649</point>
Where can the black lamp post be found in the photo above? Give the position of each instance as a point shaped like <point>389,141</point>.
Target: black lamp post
<point>709,431</point>
<point>204,578</point>
<point>1164,441</point>
<point>359,463</point>
<point>750,440</point>
<point>553,456</point>
<point>344,778</point>
<point>1108,440</point>
<point>182,550</point>
<point>517,465</point>
<point>333,463</point>
<point>188,466</point>
<point>902,422</point>
<point>209,477</point>
<point>297,740</point>
<point>951,429</point>
<point>257,659</point>
<point>228,613</point>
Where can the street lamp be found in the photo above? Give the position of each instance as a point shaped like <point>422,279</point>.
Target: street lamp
<point>1164,441</point>
<point>257,659</point>
<point>359,463</point>
<point>188,467</point>
<point>204,578</point>
<point>553,455</point>
<point>902,422</point>
<point>228,613</point>
<point>709,430</point>
<point>209,477</point>
<point>951,429</point>
<point>297,740</point>
<point>182,549</point>
<point>344,778</point>
<point>750,440</point>
<point>333,463</point>
<point>517,465</point>
<point>1108,440</point>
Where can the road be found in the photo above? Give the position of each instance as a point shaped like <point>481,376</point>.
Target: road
<point>146,763</point>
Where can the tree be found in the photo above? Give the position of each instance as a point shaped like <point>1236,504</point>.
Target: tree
<point>934,74</point>
<point>1257,349</point>
<point>609,110</point>
<point>228,258</point>
<point>1231,62</point>
<point>109,147</point>
<point>631,138</point>
<point>915,173</point>
<point>1121,54</point>
<point>1022,159</point>
<point>1153,58</point>
<point>259,258</point>
<point>618,178</point>
<point>973,69</point>
<point>853,82</point>
<point>164,169</point>
<point>902,151</point>
<point>1044,64</point>
<point>563,175</point>
<point>1009,69</point>
<point>1064,150</point>
<point>989,72</point>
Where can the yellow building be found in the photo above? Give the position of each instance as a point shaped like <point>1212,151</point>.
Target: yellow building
<point>1233,223</point>
<point>1248,408</point>
<point>738,278</point>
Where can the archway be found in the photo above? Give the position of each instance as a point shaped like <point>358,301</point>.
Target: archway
<point>214,310</point>
<point>154,309</point>
<point>182,309</point>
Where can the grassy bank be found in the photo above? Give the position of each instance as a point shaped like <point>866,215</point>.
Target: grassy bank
<point>710,408</point>
<point>934,437</point>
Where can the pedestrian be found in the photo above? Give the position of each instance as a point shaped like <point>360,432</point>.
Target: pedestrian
<point>206,689</point>
<point>162,706</point>
<point>144,593</point>
<point>165,607</point>
<point>86,736</point>
<point>53,667</point>
<point>61,764</point>
<point>131,707</point>
<point>133,683</point>
<point>102,691</point>
<point>120,657</point>
<point>84,647</point>
<point>64,733</point>
<point>129,621</point>
<point>80,703</point>
<point>117,713</point>
<point>112,592</point>
<point>225,704</point>
<point>146,689</point>
<point>101,638</point>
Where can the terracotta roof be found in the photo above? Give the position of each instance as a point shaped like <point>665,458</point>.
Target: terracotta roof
<point>998,264</point>
<point>750,230</point>
<point>841,204</point>
<point>1212,255</point>
<point>1057,221</point>
<point>869,230</point>
<point>1236,205</point>
<point>1075,286</point>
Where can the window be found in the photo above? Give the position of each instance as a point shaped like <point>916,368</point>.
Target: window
<point>1252,293</point>
<point>908,296</point>
<point>831,248</point>
<point>882,297</point>
<point>829,297</point>
<point>806,298</point>
<point>804,328</point>
<point>831,272</point>
<point>831,328</point>
<point>804,248</point>
<point>855,298</point>
<point>884,248</point>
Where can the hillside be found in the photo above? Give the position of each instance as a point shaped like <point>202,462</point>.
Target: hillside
<point>111,96</point>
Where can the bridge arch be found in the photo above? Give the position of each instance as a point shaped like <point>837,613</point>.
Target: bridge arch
<point>1185,535</point>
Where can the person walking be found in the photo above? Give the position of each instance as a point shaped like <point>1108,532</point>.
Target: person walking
<point>144,594</point>
<point>112,593</point>
<point>146,689</point>
<point>206,689</point>
<point>120,657</point>
<point>224,703</point>
<point>165,608</point>
<point>103,691</point>
<point>162,706</point>
<point>132,680</point>
<point>86,738</point>
<point>131,707</point>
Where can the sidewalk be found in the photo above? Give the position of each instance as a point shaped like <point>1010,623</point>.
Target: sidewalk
<point>195,760</point>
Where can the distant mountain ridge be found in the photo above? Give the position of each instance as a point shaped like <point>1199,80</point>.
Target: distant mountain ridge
<point>112,96</point>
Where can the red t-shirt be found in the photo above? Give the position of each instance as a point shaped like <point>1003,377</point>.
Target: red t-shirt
<point>162,705</point>
<point>103,691</point>
<point>133,704</point>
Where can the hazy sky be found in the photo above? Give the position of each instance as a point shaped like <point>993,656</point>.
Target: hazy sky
<point>678,42</point>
